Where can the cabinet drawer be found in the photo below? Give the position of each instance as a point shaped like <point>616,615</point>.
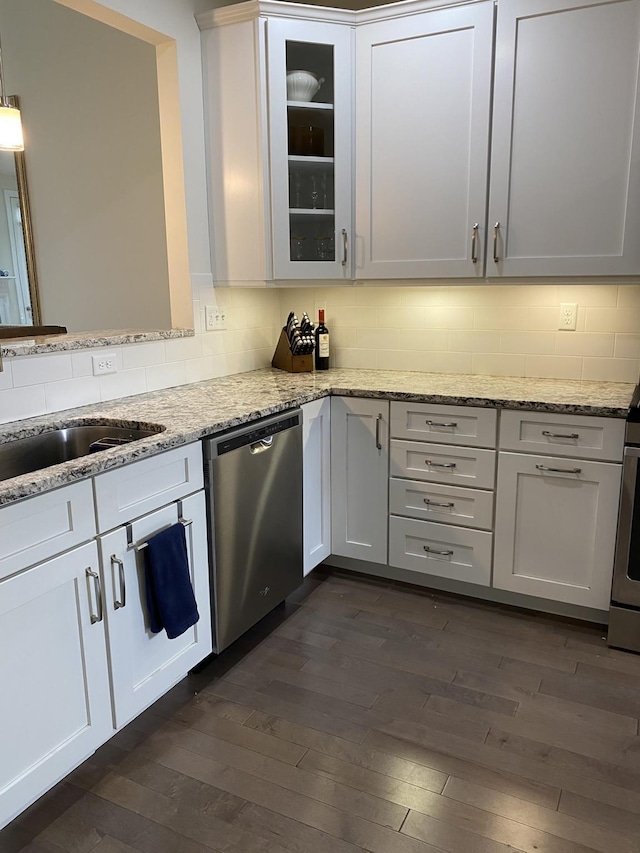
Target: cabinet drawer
<point>563,435</point>
<point>41,527</point>
<point>445,424</point>
<point>440,549</point>
<point>134,490</point>
<point>438,463</point>
<point>448,504</point>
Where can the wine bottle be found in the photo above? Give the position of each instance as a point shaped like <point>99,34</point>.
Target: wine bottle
<point>322,343</point>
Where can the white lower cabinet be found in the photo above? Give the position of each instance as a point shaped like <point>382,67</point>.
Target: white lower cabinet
<point>556,528</point>
<point>143,665</point>
<point>316,481</point>
<point>359,478</point>
<point>54,688</point>
<point>440,549</point>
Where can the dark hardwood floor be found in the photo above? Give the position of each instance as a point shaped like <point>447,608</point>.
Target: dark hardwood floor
<point>370,716</point>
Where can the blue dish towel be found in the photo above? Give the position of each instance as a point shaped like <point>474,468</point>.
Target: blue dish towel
<point>171,603</point>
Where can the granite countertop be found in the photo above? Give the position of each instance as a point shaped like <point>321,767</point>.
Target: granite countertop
<point>190,412</point>
<point>13,347</point>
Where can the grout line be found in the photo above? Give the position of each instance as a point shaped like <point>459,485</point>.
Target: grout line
<point>403,821</point>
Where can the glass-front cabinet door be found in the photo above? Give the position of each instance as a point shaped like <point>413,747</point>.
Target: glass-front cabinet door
<point>310,92</point>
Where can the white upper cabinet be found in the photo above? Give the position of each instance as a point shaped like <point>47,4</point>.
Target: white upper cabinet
<point>565,162</point>
<point>310,147</point>
<point>423,85</point>
<point>279,167</point>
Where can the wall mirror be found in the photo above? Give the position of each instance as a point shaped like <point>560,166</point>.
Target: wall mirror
<point>19,299</point>
<point>98,94</point>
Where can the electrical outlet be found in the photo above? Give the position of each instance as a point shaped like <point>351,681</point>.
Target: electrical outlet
<point>568,316</point>
<point>215,318</point>
<point>105,363</point>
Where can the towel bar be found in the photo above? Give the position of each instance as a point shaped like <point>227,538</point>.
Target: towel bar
<point>139,546</point>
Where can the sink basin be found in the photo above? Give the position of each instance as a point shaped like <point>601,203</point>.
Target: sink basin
<point>25,455</point>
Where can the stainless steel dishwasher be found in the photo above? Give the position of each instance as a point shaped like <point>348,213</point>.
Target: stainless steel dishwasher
<point>254,503</point>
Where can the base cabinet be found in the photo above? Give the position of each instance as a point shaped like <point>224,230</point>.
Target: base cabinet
<point>54,694</point>
<point>143,665</point>
<point>316,481</point>
<point>359,478</point>
<point>556,528</point>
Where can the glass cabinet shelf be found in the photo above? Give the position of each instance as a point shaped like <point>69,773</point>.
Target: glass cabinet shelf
<point>310,211</point>
<point>318,161</point>
<point>309,105</point>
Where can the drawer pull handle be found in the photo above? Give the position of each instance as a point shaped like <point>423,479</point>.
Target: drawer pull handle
<point>98,589</point>
<point>115,561</point>
<point>378,442</point>
<point>436,503</point>
<point>559,470</point>
<point>452,424</point>
<point>446,553</point>
<point>474,243</point>
<point>496,228</point>
<point>448,465</point>
<point>560,434</point>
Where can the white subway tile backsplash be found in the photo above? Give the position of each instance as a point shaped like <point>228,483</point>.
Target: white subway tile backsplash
<point>527,342</point>
<point>553,366</point>
<point>429,340</point>
<point>25,402</point>
<point>498,364</point>
<point>626,346</point>
<point>589,295</point>
<point>165,375</point>
<point>623,320</point>
<point>38,369</point>
<point>72,392</point>
<point>382,339</point>
<point>585,343</point>
<point>474,341</point>
<point>499,318</point>
<point>611,369</point>
<point>143,355</point>
<point>393,318</point>
<point>123,384</point>
<point>6,376</point>
<point>181,349</point>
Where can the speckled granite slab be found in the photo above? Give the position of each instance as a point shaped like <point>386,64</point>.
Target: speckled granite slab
<point>12,347</point>
<point>190,412</point>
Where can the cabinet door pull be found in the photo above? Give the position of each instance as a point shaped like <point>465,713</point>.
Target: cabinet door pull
<point>560,434</point>
<point>446,553</point>
<point>345,247</point>
<point>496,228</point>
<point>440,464</point>
<point>559,470</point>
<point>436,503</point>
<point>452,424</point>
<point>474,243</point>
<point>378,422</point>
<point>115,561</point>
<point>98,589</point>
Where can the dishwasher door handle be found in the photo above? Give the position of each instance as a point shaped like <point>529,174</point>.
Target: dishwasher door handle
<point>262,445</point>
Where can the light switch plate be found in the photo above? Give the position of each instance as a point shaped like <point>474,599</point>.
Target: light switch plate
<point>215,318</point>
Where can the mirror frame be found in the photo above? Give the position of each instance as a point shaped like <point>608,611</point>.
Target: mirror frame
<point>29,242</point>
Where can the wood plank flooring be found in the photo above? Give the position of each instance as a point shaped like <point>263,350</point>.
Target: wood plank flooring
<point>370,716</point>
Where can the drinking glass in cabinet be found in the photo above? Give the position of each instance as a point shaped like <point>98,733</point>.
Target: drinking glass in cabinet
<point>325,248</point>
<point>297,247</point>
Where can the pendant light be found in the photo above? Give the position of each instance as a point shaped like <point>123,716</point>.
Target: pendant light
<point>10,123</point>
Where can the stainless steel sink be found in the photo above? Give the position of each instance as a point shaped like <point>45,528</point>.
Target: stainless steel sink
<point>25,455</point>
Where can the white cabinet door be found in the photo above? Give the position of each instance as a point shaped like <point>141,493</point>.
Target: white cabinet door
<point>565,164</point>
<point>54,694</point>
<point>310,146</point>
<point>556,528</point>
<point>143,666</point>
<point>359,478</point>
<point>316,473</point>
<point>423,86</point>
